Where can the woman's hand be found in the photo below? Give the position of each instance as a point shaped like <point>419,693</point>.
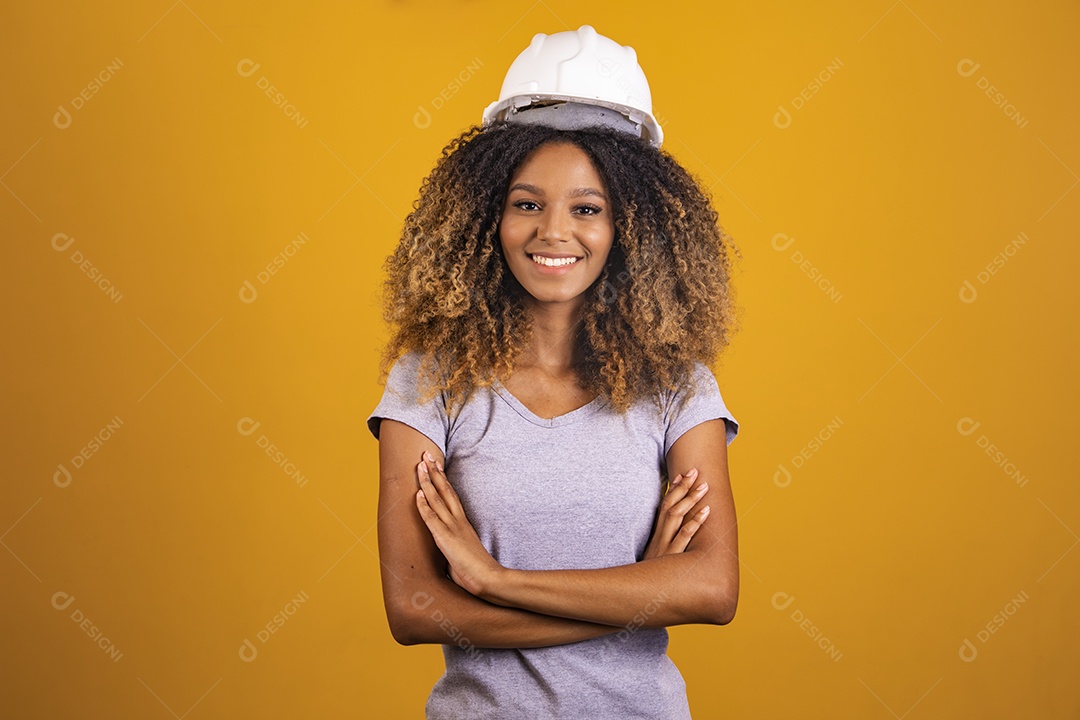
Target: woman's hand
<point>471,565</point>
<point>673,529</point>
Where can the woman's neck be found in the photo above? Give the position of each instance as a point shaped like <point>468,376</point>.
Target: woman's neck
<point>554,344</point>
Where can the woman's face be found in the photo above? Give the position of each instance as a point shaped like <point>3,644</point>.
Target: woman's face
<point>557,226</point>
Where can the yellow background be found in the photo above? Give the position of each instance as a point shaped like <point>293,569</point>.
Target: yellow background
<point>897,537</point>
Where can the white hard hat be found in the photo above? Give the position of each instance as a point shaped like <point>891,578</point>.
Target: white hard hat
<point>577,78</point>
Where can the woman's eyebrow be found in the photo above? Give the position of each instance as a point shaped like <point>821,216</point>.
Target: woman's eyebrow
<point>526,187</point>
<point>577,192</point>
<point>583,191</point>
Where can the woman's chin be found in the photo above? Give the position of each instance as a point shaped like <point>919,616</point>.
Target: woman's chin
<point>571,298</point>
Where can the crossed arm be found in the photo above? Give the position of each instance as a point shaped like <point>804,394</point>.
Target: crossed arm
<point>690,572</point>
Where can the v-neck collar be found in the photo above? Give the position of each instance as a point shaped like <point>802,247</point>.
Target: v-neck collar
<point>564,419</point>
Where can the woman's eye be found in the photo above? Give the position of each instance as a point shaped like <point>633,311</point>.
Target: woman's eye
<point>526,205</point>
<point>589,209</point>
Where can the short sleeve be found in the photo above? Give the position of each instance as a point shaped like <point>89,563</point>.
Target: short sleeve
<point>400,401</point>
<point>706,403</point>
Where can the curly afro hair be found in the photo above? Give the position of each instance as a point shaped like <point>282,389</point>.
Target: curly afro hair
<point>663,302</point>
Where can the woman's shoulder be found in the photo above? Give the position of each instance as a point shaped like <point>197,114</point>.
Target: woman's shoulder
<point>699,377</point>
<point>697,384</point>
<point>420,376</point>
<point>411,362</point>
<point>410,373</point>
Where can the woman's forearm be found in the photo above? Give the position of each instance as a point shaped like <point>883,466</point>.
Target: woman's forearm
<point>422,604</point>
<point>445,614</point>
<point>698,585</point>
<point>668,590</point>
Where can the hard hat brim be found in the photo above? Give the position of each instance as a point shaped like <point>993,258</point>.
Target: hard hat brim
<point>511,108</point>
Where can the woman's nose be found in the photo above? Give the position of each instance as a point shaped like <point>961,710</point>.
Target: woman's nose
<point>555,227</point>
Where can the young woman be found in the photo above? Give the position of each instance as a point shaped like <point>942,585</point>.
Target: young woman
<point>556,296</point>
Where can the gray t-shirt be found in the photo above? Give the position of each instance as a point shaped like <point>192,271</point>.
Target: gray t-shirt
<point>541,494</point>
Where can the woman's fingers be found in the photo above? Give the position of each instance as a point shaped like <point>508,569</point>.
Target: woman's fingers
<point>470,564</point>
<point>669,519</point>
<point>676,491</point>
<point>688,529</point>
<point>674,530</point>
<point>428,514</point>
<point>683,495</point>
<point>441,497</point>
<point>688,501</point>
<point>438,478</point>
<point>431,494</point>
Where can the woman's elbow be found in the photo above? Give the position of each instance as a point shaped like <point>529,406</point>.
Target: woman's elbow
<point>403,633</point>
<point>726,611</point>
<point>405,622</point>
<point>721,604</point>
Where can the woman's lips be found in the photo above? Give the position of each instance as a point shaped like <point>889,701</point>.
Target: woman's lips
<point>554,265</point>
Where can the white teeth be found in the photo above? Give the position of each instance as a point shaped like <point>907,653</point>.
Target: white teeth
<point>553,262</point>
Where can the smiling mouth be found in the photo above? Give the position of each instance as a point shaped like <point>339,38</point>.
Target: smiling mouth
<point>553,262</point>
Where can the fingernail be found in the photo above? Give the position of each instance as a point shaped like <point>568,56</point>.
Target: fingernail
<point>702,487</point>
<point>678,479</point>
<point>705,510</point>
<point>427,456</point>
<point>438,464</point>
<point>692,472</point>
<point>423,468</point>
